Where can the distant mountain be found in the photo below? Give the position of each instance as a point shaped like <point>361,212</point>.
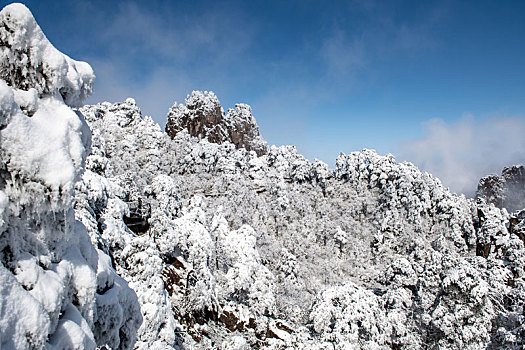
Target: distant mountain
<point>123,235</point>
<point>505,191</point>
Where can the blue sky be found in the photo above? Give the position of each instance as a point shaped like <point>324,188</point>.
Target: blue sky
<point>428,81</point>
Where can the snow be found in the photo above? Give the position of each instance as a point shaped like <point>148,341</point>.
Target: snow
<point>7,103</point>
<point>56,159</point>
<point>277,239</point>
<point>15,321</point>
<point>26,51</point>
<point>73,332</point>
<point>244,245</point>
<point>27,100</point>
<point>49,296</point>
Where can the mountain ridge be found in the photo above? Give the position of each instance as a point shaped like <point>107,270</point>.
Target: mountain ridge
<point>243,245</point>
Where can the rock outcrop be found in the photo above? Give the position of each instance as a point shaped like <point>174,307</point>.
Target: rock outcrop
<point>203,117</point>
<point>505,191</point>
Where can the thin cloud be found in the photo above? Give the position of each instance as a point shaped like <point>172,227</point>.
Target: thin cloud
<point>158,58</point>
<point>173,35</point>
<point>462,152</point>
<point>342,54</point>
<point>372,32</point>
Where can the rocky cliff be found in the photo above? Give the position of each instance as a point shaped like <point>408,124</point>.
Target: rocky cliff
<point>203,117</point>
<point>505,191</point>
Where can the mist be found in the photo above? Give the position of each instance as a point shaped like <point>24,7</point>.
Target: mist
<point>462,152</point>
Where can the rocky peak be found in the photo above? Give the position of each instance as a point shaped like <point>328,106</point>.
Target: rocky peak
<point>203,117</point>
<point>505,191</point>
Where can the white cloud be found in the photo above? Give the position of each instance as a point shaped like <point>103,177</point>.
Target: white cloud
<point>462,152</point>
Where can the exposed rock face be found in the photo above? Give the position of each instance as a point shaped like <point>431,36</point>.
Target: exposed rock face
<point>203,117</point>
<point>505,191</point>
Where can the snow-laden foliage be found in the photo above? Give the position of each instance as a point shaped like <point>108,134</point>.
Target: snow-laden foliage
<point>273,250</point>
<point>228,243</point>
<point>57,290</point>
<point>29,62</point>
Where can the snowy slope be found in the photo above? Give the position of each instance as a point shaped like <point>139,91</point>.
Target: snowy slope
<point>272,251</point>
<point>206,238</point>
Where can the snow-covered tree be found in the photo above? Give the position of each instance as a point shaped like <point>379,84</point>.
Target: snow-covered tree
<point>57,290</point>
<point>228,243</point>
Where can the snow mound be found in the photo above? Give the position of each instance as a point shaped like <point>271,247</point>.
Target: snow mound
<point>57,290</point>
<point>29,60</point>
